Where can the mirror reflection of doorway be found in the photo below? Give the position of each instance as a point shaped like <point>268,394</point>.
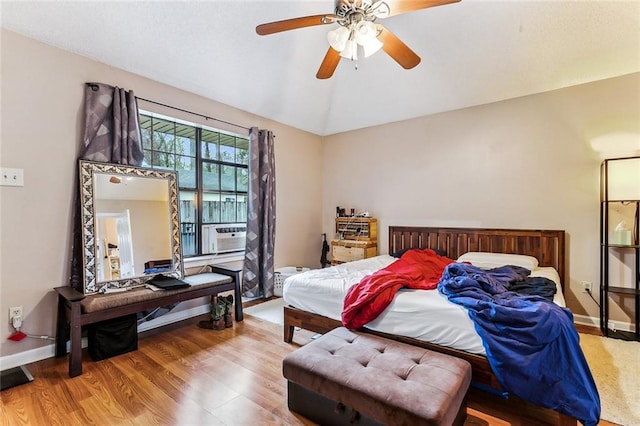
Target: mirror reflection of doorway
<point>114,246</point>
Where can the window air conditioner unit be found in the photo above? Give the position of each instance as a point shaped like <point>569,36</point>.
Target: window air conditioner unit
<point>223,238</point>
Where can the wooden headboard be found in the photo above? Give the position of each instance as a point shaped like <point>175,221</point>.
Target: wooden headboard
<point>546,246</point>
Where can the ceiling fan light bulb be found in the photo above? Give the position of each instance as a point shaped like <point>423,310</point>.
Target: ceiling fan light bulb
<point>364,32</point>
<point>350,50</point>
<point>371,47</point>
<point>338,38</point>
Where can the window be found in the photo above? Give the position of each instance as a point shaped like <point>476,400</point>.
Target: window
<point>213,172</point>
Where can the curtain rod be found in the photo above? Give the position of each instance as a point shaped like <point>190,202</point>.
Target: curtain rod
<point>94,87</point>
<point>193,113</point>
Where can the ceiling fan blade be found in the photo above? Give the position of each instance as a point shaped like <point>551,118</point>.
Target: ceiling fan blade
<point>294,23</point>
<point>395,48</point>
<point>396,7</point>
<point>329,64</point>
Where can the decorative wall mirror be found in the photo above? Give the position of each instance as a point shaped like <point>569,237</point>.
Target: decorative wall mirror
<point>130,225</point>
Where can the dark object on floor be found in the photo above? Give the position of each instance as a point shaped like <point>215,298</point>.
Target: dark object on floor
<point>325,249</point>
<point>113,337</point>
<point>211,324</point>
<point>14,377</point>
<point>228,317</point>
<point>344,376</point>
<point>221,316</point>
<point>323,410</point>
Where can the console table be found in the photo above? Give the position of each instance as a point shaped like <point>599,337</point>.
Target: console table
<point>76,309</point>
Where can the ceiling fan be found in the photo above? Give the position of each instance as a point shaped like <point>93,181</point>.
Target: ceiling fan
<point>358,30</point>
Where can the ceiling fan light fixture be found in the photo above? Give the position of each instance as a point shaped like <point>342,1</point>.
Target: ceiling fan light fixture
<point>365,31</point>
<point>338,38</point>
<point>346,39</point>
<point>366,35</point>
<point>358,30</point>
<point>371,46</point>
<point>350,50</point>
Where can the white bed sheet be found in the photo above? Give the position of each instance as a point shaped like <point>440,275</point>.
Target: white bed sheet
<point>421,314</point>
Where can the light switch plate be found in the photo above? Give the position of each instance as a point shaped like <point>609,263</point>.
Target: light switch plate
<point>11,177</point>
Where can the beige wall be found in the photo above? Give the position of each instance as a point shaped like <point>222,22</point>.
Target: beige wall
<point>42,92</point>
<point>522,163</point>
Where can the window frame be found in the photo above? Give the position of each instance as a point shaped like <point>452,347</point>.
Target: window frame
<point>198,190</point>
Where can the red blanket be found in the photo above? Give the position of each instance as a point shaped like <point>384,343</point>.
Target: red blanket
<point>417,269</point>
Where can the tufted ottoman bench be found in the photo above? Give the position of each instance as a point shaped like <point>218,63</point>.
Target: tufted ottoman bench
<point>346,377</point>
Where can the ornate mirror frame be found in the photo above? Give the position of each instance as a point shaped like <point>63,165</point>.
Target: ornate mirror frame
<point>89,220</point>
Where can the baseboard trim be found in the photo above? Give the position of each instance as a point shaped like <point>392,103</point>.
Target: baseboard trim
<point>585,320</point>
<point>48,351</point>
<point>26,357</point>
<point>595,322</point>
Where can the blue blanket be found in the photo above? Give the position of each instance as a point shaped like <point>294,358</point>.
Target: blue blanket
<point>531,343</point>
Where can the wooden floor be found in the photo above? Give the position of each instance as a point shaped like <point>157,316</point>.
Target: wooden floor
<point>184,375</point>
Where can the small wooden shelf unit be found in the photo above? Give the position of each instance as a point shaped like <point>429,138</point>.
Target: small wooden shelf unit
<point>356,238</point>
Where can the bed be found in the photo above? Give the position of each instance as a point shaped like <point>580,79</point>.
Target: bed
<point>317,307</point>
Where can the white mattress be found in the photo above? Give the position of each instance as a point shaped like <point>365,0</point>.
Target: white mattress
<point>421,314</point>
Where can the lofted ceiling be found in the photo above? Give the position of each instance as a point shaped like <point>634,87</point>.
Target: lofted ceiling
<point>473,52</point>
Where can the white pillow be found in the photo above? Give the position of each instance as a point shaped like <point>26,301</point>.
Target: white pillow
<point>487,260</point>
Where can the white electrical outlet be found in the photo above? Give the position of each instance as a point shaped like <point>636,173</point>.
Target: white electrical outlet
<point>11,177</point>
<point>586,286</point>
<point>15,312</point>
